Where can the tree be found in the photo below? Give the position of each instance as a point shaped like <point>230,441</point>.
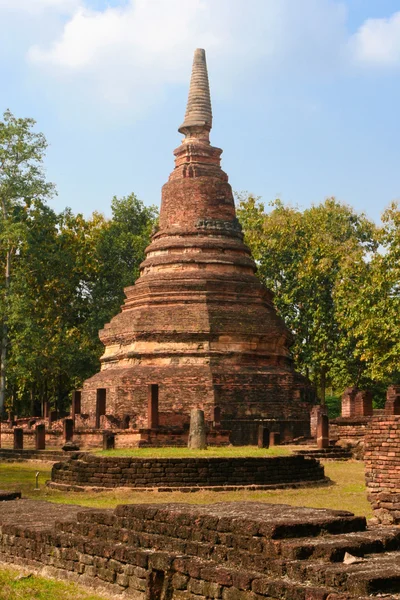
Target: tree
<point>369,302</point>
<point>303,256</point>
<point>68,282</point>
<point>22,187</point>
<point>119,251</point>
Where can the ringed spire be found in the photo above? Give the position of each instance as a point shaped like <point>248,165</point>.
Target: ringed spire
<point>198,117</point>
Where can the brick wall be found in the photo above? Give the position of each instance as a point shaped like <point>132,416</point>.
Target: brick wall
<point>91,470</point>
<point>348,428</point>
<point>382,467</point>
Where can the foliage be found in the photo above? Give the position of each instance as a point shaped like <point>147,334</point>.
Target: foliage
<point>23,189</point>
<point>305,257</point>
<point>66,275</point>
<point>369,302</point>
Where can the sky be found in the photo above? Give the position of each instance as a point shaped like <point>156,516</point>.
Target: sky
<point>305,94</point>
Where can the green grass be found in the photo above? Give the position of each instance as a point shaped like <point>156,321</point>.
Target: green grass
<point>348,491</point>
<point>21,585</point>
<point>212,451</point>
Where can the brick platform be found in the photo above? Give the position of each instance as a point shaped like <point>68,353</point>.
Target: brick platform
<point>89,470</point>
<point>232,551</point>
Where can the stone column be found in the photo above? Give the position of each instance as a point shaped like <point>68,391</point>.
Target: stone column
<point>197,432</point>
<point>263,437</point>
<point>108,440</point>
<point>348,399</point>
<point>40,437</point>
<point>68,430</point>
<point>18,438</point>
<point>101,396</point>
<point>392,405</point>
<point>274,438</point>
<point>152,406</point>
<point>323,432</point>
<point>216,417</point>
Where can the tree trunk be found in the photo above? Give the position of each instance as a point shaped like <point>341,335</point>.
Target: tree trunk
<point>323,386</point>
<point>4,335</point>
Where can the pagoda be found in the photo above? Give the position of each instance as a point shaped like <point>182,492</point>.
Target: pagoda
<point>198,322</point>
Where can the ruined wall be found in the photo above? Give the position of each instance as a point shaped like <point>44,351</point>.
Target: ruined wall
<point>382,467</point>
<point>91,470</point>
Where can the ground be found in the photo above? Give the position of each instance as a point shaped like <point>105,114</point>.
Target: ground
<point>346,492</point>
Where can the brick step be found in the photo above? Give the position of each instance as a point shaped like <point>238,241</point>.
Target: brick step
<point>331,453</point>
<point>376,574</point>
<point>11,455</point>
<point>333,548</point>
<point>279,521</point>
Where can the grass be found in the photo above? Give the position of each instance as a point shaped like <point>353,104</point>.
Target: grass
<point>212,451</point>
<point>22,585</point>
<point>348,491</point>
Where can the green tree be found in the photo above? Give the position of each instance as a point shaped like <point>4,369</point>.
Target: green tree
<point>369,302</point>
<point>22,186</point>
<point>302,256</point>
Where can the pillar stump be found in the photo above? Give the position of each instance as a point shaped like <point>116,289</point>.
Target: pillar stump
<point>18,438</point>
<point>152,406</point>
<point>40,437</point>
<point>274,438</point>
<point>76,403</point>
<point>263,437</point>
<point>68,430</point>
<point>108,440</point>
<point>323,432</point>
<point>197,432</point>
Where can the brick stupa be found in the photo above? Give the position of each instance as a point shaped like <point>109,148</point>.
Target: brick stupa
<point>198,322</point>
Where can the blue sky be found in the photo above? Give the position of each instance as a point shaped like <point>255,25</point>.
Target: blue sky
<point>306,94</point>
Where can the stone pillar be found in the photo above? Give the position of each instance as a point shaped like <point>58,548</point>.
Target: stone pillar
<point>18,438</point>
<point>323,432</point>
<point>197,432</point>
<point>216,414</point>
<point>263,437</point>
<point>348,401</point>
<point>76,403</point>
<point>363,404</point>
<point>392,405</point>
<point>108,440</point>
<point>274,438</point>
<point>315,413</point>
<point>40,437</point>
<point>101,395</point>
<point>152,406</point>
<point>68,430</point>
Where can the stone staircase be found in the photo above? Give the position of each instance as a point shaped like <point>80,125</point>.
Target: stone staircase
<point>228,551</point>
<point>276,551</point>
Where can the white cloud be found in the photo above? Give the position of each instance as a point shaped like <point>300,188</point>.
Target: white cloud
<point>377,42</point>
<point>126,54</point>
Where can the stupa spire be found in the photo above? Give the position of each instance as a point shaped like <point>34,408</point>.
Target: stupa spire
<point>198,117</point>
